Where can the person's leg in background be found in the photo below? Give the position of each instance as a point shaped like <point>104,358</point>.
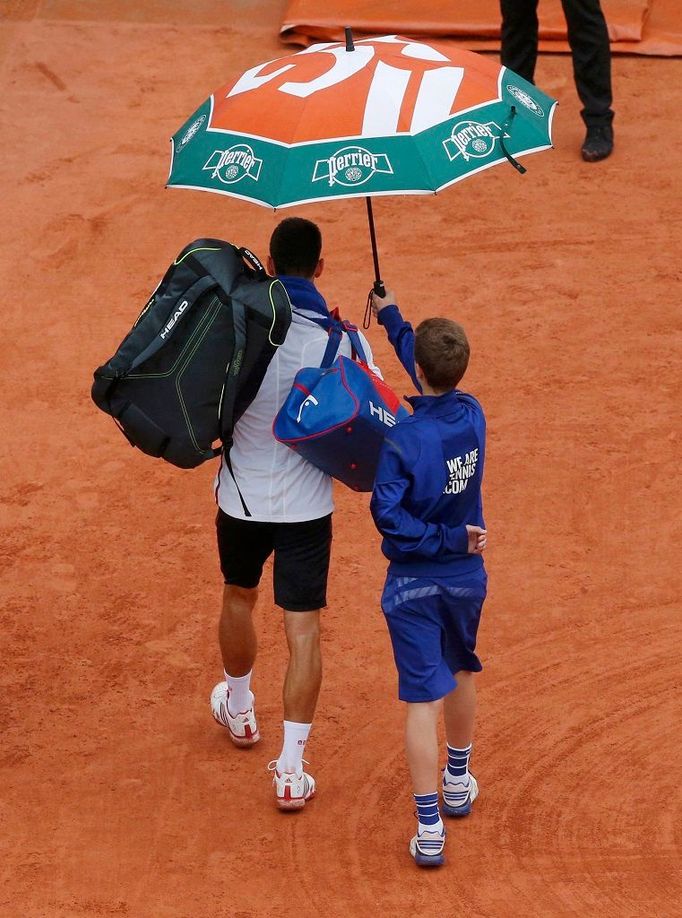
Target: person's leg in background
<point>588,37</point>
<point>519,37</point>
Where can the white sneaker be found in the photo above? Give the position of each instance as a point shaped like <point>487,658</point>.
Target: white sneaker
<point>458,797</point>
<point>427,847</point>
<point>291,789</point>
<point>242,728</point>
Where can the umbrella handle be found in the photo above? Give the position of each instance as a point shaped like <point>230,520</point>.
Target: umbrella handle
<point>380,290</point>
<point>507,124</point>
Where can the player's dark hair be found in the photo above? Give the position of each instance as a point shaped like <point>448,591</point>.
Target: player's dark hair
<point>295,247</point>
<point>442,351</point>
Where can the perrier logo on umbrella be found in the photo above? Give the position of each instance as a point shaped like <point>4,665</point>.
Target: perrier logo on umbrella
<point>351,166</point>
<point>471,139</point>
<point>234,164</point>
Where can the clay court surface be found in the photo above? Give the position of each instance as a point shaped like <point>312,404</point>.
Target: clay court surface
<point>119,795</point>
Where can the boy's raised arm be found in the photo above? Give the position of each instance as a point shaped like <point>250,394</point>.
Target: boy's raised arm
<point>400,332</point>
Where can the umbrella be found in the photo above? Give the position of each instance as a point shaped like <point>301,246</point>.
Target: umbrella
<point>384,115</point>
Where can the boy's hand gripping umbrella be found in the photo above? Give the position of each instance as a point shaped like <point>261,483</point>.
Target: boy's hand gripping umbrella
<point>379,116</point>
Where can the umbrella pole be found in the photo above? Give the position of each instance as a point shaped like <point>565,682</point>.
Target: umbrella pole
<point>378,287</point>
<point>378,283</point>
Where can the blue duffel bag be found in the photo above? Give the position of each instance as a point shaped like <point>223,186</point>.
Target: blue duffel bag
<point>337,414</point>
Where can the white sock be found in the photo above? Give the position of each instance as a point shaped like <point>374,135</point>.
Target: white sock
<point>240,696</point>
<point>295,738</point>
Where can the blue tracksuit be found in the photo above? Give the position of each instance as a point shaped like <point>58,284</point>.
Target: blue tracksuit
<point>428,483</point>
<point>427,488</point>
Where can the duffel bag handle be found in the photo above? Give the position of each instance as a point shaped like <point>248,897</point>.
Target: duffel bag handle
<point>358,350</point>
<point>335,334</point>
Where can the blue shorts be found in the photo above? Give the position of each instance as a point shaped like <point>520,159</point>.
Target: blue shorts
<point>433,625</point>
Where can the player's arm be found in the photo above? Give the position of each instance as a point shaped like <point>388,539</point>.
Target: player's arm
<point>400,333</point>
<point>405,532</point>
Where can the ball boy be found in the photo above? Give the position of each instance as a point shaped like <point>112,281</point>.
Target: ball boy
<point>427,505</point>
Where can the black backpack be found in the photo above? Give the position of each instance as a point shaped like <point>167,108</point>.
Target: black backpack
<point>197,354</point>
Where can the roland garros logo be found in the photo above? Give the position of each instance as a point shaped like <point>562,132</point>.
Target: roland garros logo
<point>234,164</point>
<point>191,131</point>
<point>471,140</point>
<point>351,166</point>
<point>525,99</point>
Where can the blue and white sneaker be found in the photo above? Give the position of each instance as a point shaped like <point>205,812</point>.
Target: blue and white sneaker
<point>458,797</point>
<point>427,846</point>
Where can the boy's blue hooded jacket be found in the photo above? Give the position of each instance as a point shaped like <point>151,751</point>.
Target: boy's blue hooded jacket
<point>428,482</point>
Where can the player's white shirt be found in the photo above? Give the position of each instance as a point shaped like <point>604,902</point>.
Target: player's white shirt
<point>277,485</point>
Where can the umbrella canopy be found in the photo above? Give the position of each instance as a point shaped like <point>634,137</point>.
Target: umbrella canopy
<point>383,115</point>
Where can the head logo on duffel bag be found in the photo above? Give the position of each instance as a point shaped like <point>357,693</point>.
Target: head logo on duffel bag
<point>337,415</point>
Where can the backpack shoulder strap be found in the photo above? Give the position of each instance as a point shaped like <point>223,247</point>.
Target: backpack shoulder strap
<point>229,394</point>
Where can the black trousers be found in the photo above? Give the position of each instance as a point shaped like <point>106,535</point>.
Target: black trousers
<point>589,41</point>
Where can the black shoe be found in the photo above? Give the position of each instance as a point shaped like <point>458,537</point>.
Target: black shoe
<point>598,143</point>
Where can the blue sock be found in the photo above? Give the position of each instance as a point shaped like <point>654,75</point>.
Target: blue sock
<point>427,808</point>
<point>458,763</point>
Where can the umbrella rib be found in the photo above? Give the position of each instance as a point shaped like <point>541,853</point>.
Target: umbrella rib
<point>289,147</point>
<point>427,171</point>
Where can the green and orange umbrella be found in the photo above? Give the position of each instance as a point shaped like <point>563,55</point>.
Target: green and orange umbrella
<point>379,116</point>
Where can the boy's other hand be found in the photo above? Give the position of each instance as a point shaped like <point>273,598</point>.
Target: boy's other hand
<point>381,302</point>
<point>478,540</point>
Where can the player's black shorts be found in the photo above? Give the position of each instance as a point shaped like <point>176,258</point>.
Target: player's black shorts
<point>302,552</point>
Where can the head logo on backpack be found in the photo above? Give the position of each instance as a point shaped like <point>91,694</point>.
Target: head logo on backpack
<point>197,354</point>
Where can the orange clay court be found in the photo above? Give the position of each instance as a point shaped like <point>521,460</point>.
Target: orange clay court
<point>120,796</point>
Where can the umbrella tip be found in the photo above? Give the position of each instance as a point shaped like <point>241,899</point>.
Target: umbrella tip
<point>350,46</point>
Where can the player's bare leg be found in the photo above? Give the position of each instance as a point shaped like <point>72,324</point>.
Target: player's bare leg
<point>460,711</point>
<point>237,636</point>
<point>459,786</point>
<point>421,747</point>
<point>304,673</point>
<point>421,744</point>
<point>232,701</point>
<point>300,693</point>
